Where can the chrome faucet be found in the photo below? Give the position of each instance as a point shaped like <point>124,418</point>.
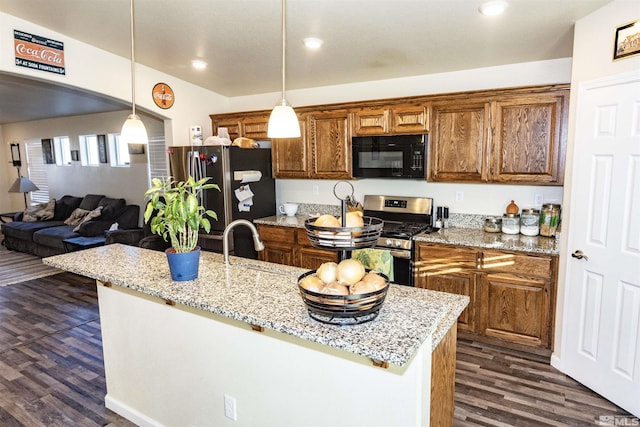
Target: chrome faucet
<point>257,243</point>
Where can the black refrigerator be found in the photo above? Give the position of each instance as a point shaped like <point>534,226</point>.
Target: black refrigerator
<point>247,189</point>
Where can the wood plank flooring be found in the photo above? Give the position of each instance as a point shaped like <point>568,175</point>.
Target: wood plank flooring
<point>52,372</point>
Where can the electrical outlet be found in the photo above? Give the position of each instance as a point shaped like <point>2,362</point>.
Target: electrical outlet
<point>230,408</point>
<point>315,189</point>
<point>537,200</point>
<point>459,196</point>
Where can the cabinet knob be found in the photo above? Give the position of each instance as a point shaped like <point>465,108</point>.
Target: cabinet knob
<point>580,255</point>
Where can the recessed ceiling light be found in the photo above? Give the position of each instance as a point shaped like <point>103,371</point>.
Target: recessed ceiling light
<point>313,42</point>
<point>198,64</point>
<point>493,8</point>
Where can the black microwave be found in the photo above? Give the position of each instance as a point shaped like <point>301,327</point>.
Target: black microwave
<point>399,156</point>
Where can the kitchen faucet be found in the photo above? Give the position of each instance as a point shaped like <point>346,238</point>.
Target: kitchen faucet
<point>257,243</point>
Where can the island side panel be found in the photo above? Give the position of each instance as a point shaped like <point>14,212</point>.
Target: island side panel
<point>443,380</point>
<point>172,365</point>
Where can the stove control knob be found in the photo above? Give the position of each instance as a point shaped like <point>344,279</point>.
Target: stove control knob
<point>398,243</point>
<point>389,242</point>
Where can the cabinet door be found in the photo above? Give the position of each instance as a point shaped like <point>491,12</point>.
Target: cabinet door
<point>330,143</point>
<point>290,156</point>
<point>459,138</point>
<point>255,127</point>
<point>279,253</point>
<point>312,258</point>
<point>527,143</point>
<point>370,121</point>
<point>409,119</point>
<point>450,270</point>
<point>231,123</point>
<point>515,309</point>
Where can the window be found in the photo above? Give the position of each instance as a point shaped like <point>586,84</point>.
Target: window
<point>62,150</point>
<point>119,151</point>
<point>37,171</point>
<point>89,150</point>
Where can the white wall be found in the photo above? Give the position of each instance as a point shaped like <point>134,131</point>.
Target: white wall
<point>129,183</point>
<point>592,58</point>
<point>98,71</point>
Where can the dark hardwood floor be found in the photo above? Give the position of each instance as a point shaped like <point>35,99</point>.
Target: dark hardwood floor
<point>52,373</point>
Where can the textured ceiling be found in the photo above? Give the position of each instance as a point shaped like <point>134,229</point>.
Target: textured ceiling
<point>364,39</point>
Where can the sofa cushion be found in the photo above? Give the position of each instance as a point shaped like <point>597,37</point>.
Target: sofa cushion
<point>90,202</point>
<point>24,230</point>
<point>65,205</point>
<point>111,208</point>
<point>53,236</point>
<point>39,212</point>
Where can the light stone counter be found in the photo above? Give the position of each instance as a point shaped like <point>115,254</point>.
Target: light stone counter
<point>266,295</point>
<point>454,236</point>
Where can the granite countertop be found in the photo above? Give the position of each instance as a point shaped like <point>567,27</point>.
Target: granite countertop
<point>454,236</point>
<point>266,295</point>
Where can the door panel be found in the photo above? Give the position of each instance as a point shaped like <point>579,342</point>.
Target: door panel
<point>600,336</point>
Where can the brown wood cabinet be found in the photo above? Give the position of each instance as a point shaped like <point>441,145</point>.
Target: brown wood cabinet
<point>330,144</point>
<point>397,119</point>
<point>290,156</point>
<point>291,246</point>
<point>512,295</point>
<point>511,136</point>
<point>506,137</point>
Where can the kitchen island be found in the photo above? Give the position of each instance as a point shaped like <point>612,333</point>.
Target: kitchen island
<point>238,341</point>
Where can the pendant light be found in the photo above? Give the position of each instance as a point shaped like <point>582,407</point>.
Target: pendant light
<point>283,122</point>
<point>133,130</point>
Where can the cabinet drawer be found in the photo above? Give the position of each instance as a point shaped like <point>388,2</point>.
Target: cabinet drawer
<point>524,265</point>
<point>440,258</point>
<point>278,234</point>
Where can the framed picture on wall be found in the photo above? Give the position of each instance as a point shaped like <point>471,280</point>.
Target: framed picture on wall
<point>102,148</point>
<point>136,148</point>
<point>627,40</point>
<point>48,155</point>
<point>75,155</point>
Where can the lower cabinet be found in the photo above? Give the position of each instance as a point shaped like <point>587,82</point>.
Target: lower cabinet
<point>512,295</point>
<point>291,246</point>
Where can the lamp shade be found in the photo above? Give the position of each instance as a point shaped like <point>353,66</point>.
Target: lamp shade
<point>283,122</point>
<point>133,131</point>
<point>23,185</point>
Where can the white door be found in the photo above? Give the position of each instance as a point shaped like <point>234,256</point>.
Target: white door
<point>601,325</point>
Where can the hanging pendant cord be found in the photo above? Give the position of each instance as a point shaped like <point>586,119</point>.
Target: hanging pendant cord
<point>284,42</point>
<point>133,66</point>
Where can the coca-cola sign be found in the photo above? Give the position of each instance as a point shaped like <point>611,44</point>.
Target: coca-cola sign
<point>38,53</point>
<point>163,95</point>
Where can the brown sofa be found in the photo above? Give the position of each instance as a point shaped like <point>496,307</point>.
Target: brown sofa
<point>46,237</point>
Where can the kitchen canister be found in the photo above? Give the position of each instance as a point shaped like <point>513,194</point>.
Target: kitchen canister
<point>492,224</point>
<point>530,222</point>
<point>511,223</point>
<point>549,219</point>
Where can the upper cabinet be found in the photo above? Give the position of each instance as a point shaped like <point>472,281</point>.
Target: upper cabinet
<point>290,156</point>
<point>330,144</point>
<point>509,136</point>
<point>458,141</point>
<point>396,119</point>
<point>517,138</point>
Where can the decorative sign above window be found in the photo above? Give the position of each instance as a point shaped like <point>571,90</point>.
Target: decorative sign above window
<point>38,53</point>
<point>163,95</point>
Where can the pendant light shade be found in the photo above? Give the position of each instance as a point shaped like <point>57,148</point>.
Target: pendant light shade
<point>133,130</point>
<point>283,122</point>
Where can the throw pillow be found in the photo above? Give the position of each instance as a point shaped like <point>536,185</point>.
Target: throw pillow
<point>78,215</point>
<point>88,217</point>
<point>40,212</point>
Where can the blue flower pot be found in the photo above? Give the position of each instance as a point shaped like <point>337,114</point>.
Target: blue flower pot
<point>183,266</point>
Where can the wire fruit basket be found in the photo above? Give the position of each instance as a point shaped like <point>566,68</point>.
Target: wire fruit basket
<point>343,309</point>
<point>344,238</point>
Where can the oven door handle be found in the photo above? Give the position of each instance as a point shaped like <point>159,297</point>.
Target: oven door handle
<point>400,254</point>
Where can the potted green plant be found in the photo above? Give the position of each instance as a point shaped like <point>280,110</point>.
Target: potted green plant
<point>173,212</point>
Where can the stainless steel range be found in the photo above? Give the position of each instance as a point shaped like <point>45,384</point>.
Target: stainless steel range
<point>404,217</point>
